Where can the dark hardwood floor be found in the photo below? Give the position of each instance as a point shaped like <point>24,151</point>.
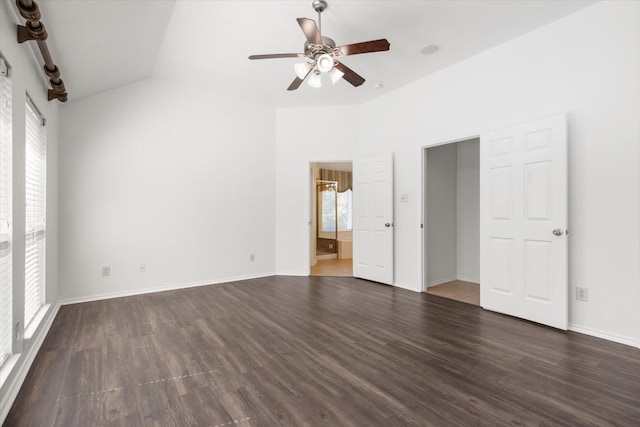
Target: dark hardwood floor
<point>318,351</point>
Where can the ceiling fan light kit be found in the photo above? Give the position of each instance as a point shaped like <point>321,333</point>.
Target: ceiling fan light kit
<point>335,75</point>
<point>315,81</point>
<point>325,63</point>
<point>302,69</point>
<point>322,51</point>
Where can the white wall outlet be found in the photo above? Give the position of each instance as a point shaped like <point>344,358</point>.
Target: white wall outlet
<point>404,198</point>
<point>143,268</point>
<point>582,294</point>
<point>252,257</point>
<point>330,245</point>
<point>106,271</point>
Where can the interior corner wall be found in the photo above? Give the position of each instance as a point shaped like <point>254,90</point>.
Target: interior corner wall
<point>27,77</point>
<point>441,218</point>
<point>299,142</point>
<point>468,210</point>
<point>156,174</point>
<point>587,65</point>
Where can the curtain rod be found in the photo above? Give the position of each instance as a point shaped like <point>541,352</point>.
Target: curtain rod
<point>34,30</point>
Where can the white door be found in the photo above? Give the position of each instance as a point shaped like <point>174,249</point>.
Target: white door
<point>373,218</point>
<point>523,221</point>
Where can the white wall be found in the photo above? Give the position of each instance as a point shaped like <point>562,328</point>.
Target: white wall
<point>27,76</point>
<point>441,206</point>
<point>305,135</point>
<point>468,210</point>
<point>180,181</point>
<point>586,65</point>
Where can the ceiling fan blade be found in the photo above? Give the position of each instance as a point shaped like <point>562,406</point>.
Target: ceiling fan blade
<point>364,47</point>
<point>310,30</point>
<point>295,84</point>
<point>277,55</point>
<point>349,75</point>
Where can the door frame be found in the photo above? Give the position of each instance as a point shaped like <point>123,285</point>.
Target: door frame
<point>423,191</point>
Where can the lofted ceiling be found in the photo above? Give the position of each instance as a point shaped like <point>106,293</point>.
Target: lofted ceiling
<point>102,45</point>
<point>105,44</point>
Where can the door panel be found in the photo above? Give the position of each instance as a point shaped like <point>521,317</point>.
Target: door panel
<point>537,268</point>
<point>501,276</point>
<point>502,200</point>
<point>523,200</point>
<point>373,218</point>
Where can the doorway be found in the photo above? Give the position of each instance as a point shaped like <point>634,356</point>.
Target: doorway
<point>452,220</point>
<point>331,195</point>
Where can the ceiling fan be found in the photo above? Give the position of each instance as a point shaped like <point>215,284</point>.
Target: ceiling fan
<point>321,53</point>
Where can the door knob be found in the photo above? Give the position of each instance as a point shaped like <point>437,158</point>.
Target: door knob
<point>387,225</point>
<point>557,232</point>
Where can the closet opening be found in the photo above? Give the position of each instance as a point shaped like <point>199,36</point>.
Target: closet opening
<point>452,220</point>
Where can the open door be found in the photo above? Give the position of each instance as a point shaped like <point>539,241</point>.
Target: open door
<point>523,221</point>
<point>373,218</point>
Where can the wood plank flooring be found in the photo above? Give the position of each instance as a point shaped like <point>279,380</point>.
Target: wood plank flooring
<point>318,351</point>
<point>333,267</point>
<point>458,290</point>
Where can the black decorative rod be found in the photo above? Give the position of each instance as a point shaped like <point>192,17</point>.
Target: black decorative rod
<point>34,30</point>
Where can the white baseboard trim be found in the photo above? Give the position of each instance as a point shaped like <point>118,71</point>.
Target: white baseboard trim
<point>468,279</point>
<point>441,281</point>
<point>99,297</point>
<point>291,273</point>
<point>407,287</point>
<point>24,363</point>
<point>604,335</point>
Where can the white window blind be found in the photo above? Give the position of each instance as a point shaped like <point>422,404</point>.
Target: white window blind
<point>35,224</point>
<point>6,300</point>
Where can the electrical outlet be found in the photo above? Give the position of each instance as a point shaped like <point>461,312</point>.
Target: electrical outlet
<point>252,257</point>
<point>143,268</point>
<point>330,245</point>
<point>582,294</point>
<point>106,271</point>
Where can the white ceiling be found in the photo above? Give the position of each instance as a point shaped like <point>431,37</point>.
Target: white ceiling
<point>101,45</point>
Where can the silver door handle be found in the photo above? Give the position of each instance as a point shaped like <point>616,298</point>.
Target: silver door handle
<point>557,232</point>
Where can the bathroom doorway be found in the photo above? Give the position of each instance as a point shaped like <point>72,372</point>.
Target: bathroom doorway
<point>331,220</point>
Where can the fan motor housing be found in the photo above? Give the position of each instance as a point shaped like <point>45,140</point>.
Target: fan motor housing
<point>313,51</point>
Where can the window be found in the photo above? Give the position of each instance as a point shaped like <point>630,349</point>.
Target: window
<point>35,224</point>
<point>328,210</point>
<point>6,299</point>
<point>344,211</point>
